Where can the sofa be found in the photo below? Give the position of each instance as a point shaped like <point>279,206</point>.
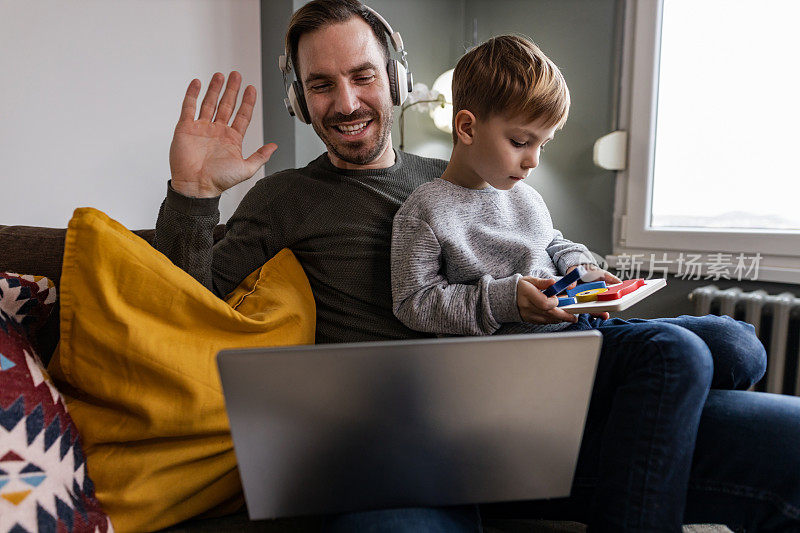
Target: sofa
<point>39,251</point>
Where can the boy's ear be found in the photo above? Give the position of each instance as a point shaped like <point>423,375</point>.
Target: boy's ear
<point>464,124</point>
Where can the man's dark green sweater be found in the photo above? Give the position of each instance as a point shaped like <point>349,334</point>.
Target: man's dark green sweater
<point>337,222</point>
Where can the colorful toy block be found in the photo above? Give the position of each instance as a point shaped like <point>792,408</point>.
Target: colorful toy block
<point>586,286</point>
<point>567,300</point>
<point>590,295</point>
<point>625,294</point>
<point>619,290</point>
<point>579,273</point>
<point>563,283</point>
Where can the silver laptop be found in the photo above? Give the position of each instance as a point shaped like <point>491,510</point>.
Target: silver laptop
<point>345,427</point>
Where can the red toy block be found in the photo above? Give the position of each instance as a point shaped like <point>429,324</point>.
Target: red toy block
<point>615,292</point>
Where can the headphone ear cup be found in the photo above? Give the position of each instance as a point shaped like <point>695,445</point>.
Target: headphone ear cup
<point>397,81</point>
<point>403,83</point>
<point>391,71</point>
<point>298,101</point>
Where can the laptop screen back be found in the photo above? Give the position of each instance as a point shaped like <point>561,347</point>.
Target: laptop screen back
<point>344,427</point>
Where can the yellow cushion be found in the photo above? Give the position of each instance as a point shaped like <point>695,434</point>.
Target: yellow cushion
<point>137,363</point>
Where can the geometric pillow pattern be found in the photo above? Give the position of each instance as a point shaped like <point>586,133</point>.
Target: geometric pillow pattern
<point>44,485</point>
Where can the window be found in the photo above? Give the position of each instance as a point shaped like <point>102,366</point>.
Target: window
<point>711,100</point>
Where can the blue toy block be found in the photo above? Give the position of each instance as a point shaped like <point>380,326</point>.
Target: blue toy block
<point>586,286</point>
<point>566,281</point>
<point>568,300</point>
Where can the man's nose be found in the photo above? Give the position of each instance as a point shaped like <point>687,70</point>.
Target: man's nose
<point>347,99</point>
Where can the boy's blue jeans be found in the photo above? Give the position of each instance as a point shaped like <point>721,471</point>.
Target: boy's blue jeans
<point>660,448</point>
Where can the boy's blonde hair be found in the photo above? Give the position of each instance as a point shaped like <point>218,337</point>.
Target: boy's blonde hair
<point>509,75</point>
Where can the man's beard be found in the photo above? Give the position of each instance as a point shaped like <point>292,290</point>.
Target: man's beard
<point>363,151</point>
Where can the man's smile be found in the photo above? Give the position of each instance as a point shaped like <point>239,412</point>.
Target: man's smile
<point>354,130</point>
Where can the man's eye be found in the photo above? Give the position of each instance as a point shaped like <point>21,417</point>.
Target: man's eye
<point>517,144</point>
<point>365,79</point>
<point>320,87</point>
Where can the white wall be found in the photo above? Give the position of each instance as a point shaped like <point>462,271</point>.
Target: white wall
<point>91,92</point>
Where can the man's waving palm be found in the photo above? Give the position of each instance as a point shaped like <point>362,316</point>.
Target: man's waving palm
<point>205,157</point>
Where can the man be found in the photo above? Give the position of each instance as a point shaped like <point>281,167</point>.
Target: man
<point>336,216</point>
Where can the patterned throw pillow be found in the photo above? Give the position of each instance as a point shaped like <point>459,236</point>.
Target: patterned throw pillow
<point>44,485</point>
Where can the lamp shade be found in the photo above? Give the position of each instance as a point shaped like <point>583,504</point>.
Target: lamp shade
<point>443,115</point>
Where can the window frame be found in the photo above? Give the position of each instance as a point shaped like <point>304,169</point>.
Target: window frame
<point>779,250</point>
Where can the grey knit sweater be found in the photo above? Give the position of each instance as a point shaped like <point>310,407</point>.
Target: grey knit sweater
<point>458,253</point>
<point>337,222</point>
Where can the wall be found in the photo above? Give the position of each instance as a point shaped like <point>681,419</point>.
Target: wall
<point>91,93</point>
<point>279,127</point>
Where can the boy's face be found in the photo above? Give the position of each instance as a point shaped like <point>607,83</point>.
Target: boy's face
<point>505,150</point>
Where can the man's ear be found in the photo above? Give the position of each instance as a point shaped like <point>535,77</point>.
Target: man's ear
<point>464,124</point>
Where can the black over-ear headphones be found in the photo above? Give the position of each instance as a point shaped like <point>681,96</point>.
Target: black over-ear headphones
<point>401,80</point>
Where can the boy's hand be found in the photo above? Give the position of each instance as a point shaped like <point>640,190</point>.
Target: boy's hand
<point>601,275</point>
<point>535,307</point>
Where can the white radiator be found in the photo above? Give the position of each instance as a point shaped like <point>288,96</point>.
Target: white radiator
<point>781,341</point>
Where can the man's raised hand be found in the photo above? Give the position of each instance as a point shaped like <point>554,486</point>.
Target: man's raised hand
<point>205,157</point>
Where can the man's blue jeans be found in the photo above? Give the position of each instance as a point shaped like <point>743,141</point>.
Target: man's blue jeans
<point>660,448</point>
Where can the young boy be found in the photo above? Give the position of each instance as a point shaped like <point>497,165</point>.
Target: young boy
<point>472,251</point>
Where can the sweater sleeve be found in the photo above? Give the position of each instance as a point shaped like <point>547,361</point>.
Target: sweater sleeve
<point>566,253</point>
<point>424,300</point>
<point>185,233</point>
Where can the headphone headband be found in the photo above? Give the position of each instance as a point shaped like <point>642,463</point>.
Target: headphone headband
<point>394,37</point>
<point>401,80</point>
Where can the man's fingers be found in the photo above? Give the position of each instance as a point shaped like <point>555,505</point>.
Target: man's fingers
<point>242,119</point>
<point>212,95</point>
<point>189,105</point>
<point>260,157</point>
<point>229,97</point>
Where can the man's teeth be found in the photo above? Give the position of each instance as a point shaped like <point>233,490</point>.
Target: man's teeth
<point>351,129</point>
